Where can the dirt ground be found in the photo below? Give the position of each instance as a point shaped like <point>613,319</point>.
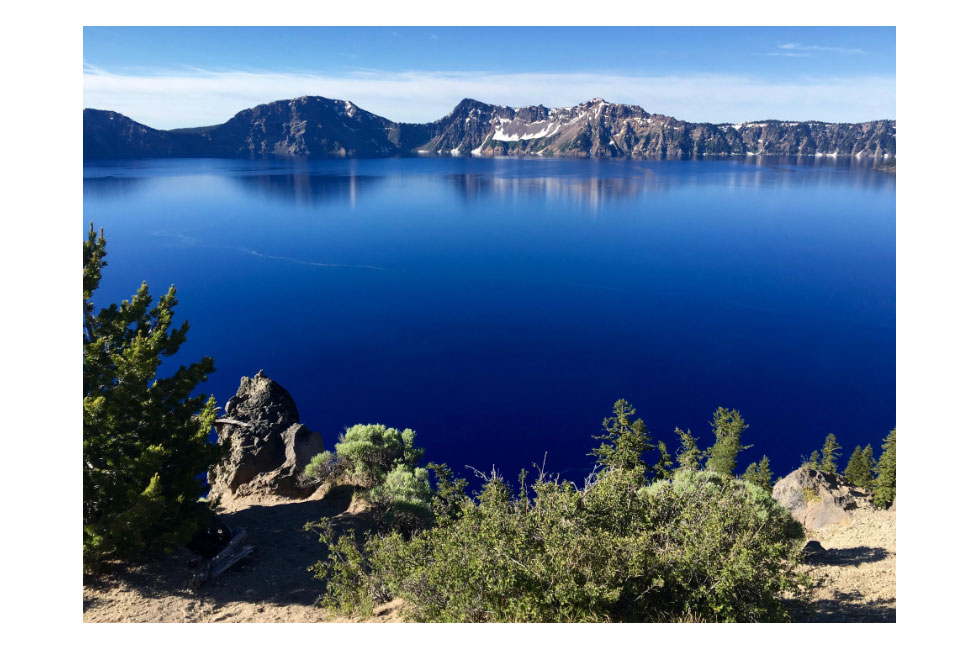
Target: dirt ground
<point>855,577</point>
<point>271,585</point>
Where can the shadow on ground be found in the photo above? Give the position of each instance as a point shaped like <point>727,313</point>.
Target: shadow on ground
<point>276,572</point>
<point>847,556</point>
<point>842,606</point>
<point>848,608</point>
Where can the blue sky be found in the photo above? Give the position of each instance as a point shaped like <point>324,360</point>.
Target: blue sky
<point>173,77</point>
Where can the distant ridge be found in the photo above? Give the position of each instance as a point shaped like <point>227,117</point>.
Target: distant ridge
<point>317,127</point>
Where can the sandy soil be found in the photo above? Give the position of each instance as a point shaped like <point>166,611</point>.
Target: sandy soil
<point>270,585</point>
<point>855,577</point>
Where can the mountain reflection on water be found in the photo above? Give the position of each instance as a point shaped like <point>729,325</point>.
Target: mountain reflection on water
<point>324,182</point>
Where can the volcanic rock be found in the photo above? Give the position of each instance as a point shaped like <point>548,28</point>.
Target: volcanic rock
<point>821,499</point>
<point>268,446</point>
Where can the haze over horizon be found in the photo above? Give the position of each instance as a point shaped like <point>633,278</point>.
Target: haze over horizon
<point>184,77</point>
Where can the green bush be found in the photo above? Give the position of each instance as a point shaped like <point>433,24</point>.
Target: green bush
<point>403,501</point>
<point>697,546</point>
<point>326,467</point>
<point>382,463</point>
<point>365,454</point>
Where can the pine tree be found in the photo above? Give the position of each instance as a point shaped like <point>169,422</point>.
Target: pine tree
<point>884,483</point>
<point>869,460</point>
<point>858,470</point>
<point>853,470</point>
<point>728,427</point>
<point>829,454</point>
<point>144,439</point>
<point>690,457</point>
<point>759,474</point>
<point>624,441</point>
<point>662,471</point>
<point>814,460</point>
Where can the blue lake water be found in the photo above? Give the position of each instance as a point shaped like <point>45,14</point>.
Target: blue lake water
<point>500,306</point>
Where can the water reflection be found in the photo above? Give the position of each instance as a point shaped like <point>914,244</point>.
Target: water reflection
<point>309,190</point>
<point>583,191</point>
<point>609,181</point>
<point>587,183</point>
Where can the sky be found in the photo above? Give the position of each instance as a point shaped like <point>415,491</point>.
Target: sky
<point>172,77</point>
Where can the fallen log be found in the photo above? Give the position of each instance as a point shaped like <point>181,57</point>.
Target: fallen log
<point>237,548</point>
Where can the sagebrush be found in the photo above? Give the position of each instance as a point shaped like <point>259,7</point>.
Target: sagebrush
<point>697,546</point>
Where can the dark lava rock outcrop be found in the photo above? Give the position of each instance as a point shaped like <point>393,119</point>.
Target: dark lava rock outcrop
<point>269,447</point>
<point>820,499</point>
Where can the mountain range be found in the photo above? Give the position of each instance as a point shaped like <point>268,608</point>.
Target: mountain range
<point>317,127</point>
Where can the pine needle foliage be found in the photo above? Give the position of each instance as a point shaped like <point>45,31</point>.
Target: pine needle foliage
<point>144,437</point>
<point>624,440</point>
<point>884,483</point>
<point>859,469</point>
<point>814,461</point>
<point>662,470</point>
<point>869,456</point>
<point>690,457</point>
<point>829,454</point>
<point>759,474</point>
<point>728,427</point>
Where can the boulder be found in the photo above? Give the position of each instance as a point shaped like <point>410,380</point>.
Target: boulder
<point>820,499</point>
<point>813,550</point>
<point>268,446</point>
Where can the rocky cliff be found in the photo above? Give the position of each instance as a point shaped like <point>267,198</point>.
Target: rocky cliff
<point>316,127</point>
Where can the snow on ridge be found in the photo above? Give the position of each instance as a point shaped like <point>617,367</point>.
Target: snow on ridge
<point>479,150</point>
<point>547,129</point>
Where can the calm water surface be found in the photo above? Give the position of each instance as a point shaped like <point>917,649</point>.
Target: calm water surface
<point>500,306</point>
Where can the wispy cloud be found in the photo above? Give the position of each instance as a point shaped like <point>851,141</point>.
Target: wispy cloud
<point>798,49</point>
<point>179,98</point>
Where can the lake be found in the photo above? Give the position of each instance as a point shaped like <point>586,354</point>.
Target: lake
<point>500,306</point>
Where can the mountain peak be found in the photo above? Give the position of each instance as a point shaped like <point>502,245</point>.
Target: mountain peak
<point>467,103</point>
